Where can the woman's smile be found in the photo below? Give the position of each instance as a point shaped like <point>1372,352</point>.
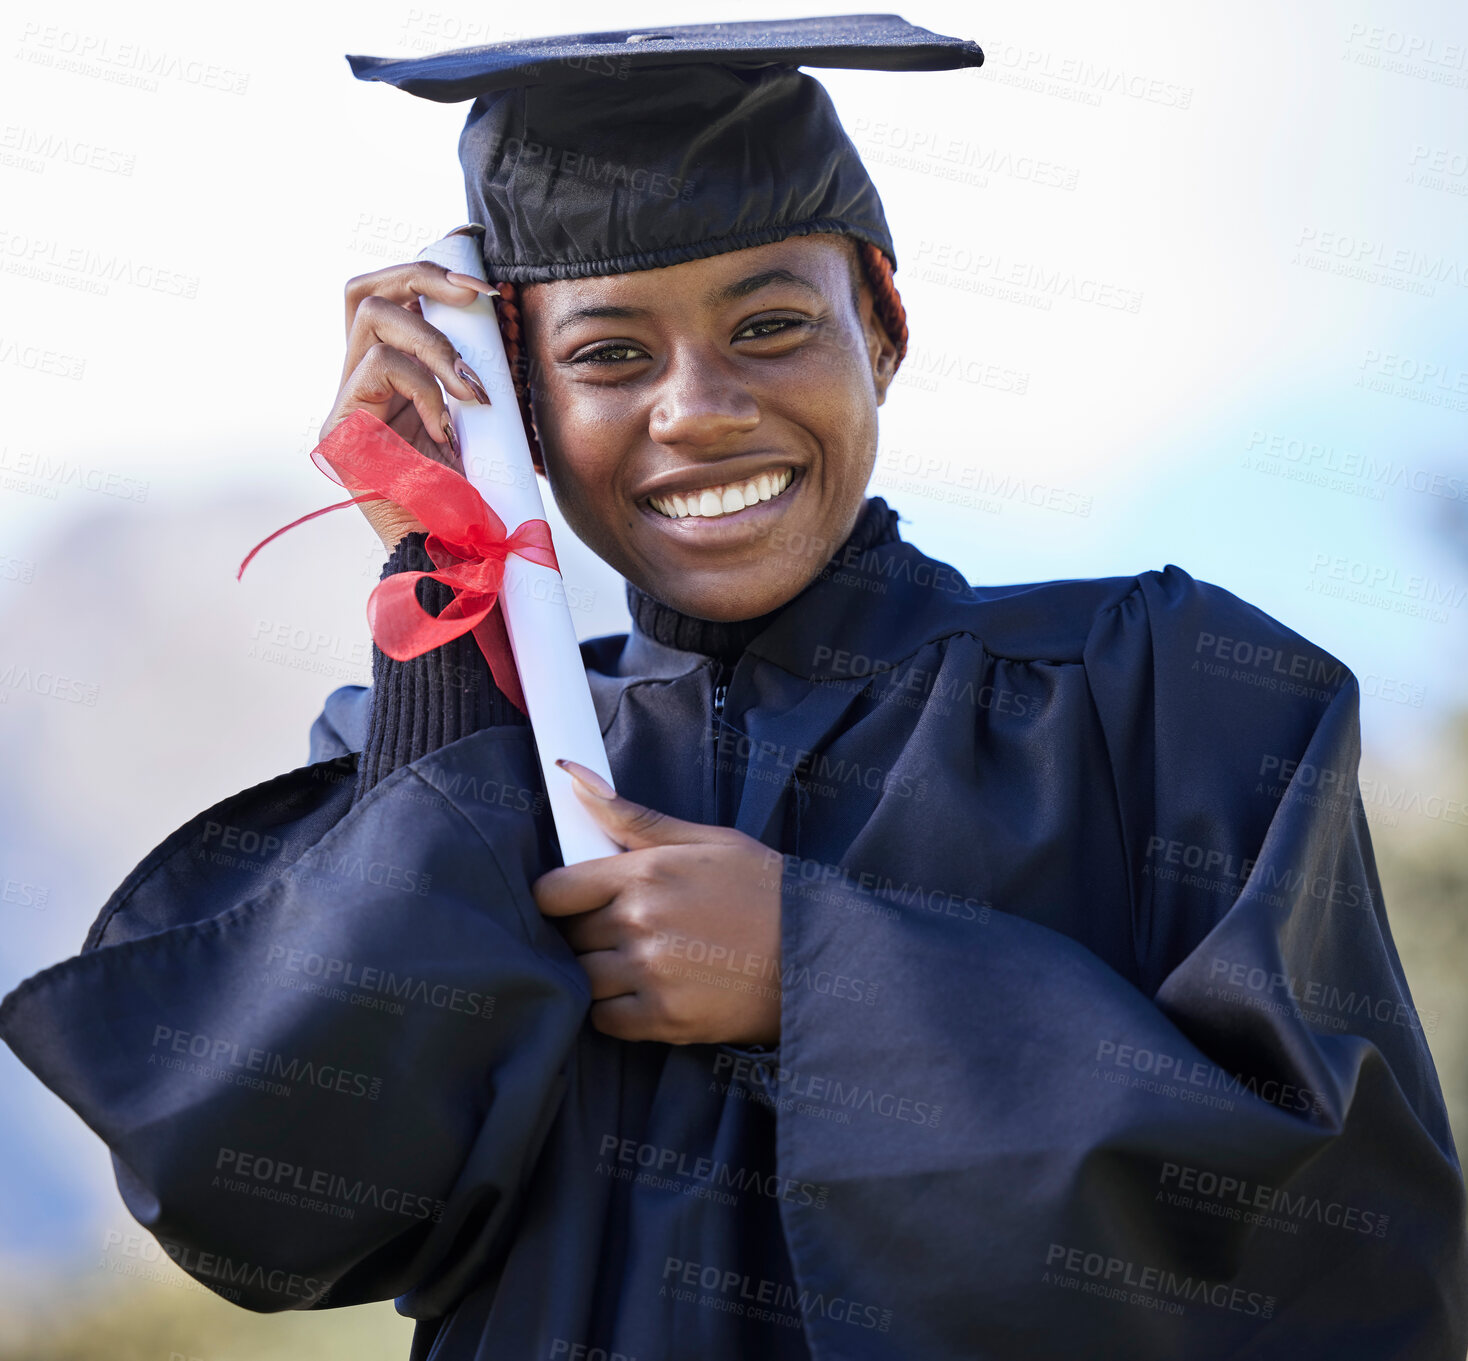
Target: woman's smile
<point>723,498</point>
<point>727,527</point>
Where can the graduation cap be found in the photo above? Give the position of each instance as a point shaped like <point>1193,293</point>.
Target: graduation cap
<point>603,153</point>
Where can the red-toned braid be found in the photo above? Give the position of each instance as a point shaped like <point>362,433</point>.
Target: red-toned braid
<point>875,264</point>
<point>888,306</point>
<point>514,338</point>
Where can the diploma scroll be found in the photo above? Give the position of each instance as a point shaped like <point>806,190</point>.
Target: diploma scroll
<point>533,598</point>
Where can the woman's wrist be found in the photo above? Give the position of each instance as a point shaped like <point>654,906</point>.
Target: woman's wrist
<point>431,700</point>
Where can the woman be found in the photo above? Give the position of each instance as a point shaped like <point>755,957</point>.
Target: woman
<point>975,980</point>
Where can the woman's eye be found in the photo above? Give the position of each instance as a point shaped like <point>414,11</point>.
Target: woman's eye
<point>768,326</point>
<point>610,354</point>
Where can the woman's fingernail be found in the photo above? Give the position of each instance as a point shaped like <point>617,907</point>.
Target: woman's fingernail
<point>469,281</point>
<point>448,433</point>
<point>469,376</point>
<point>589,778</point>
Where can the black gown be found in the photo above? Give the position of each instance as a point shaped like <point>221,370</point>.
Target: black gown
<point>1094,1039</point>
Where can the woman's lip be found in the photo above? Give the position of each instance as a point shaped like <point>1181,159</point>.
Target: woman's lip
<point>716,529</point>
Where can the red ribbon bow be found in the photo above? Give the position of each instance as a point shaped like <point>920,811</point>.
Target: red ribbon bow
<point>466,541</point>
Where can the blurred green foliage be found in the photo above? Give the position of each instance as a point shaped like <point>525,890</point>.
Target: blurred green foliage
<point>169,1318</point>
<point>1423,862</point>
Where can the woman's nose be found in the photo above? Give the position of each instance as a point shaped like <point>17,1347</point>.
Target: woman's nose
<point>701,401</point>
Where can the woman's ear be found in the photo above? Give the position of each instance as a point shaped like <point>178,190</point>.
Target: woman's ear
<point>537,442</point>
<point>881,349</point>
<point>537,449</point>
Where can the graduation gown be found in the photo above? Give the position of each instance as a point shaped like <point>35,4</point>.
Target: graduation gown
<point>1094,1039</point>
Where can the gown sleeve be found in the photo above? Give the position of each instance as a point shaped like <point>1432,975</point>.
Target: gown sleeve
<point>1243,1154</point>
<point>324,1035</point>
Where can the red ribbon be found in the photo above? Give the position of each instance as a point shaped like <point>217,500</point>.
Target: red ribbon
<point>466,541</point>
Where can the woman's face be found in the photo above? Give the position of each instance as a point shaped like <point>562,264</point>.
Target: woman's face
<point>755,364</point>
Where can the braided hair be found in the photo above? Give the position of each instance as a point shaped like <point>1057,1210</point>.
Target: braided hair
<point>876,269</point>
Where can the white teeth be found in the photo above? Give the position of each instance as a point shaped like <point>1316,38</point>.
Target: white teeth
<point>712,502</point>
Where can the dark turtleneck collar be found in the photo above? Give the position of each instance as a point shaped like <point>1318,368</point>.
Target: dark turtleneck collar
<point>726,641</point>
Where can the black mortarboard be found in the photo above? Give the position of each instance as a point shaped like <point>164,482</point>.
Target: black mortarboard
<point>602,153</point>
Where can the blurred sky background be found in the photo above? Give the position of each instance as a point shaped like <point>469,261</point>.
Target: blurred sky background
<point>1186,284</point>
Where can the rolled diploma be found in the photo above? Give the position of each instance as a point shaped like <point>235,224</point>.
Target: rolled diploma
<point>537,615</point>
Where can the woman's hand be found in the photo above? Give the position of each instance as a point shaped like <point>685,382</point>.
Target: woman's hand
<point>679,934</point>
<point>393,359</point>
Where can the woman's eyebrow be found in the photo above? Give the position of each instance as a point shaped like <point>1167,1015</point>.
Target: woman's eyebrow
<point>597,313</point>
<point>728,293</point>
<point>755,282</point>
